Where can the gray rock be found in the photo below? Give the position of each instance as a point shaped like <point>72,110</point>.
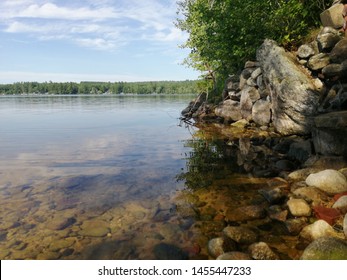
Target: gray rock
<point>326,41</point>
<point>329,181</point>
<point>339,52</point>
<point>326,248</point>
<point>246,213</point>
<point>235,255</point>
<point>332,16</point>
<point>256,73</point>
<point>229,110</point>
<point>262,251</point>
<point>332,70</point>
<point>194,105</point>
<point>306,51</point>
<point>215,247</point>
<point>294,95</point>
<point>318,61</point>
<point>261,112</point>
<point>251,82</point>
<point>299,207</point>
<point>317,230</point>
<point>232,83</point>
<point>329,133</point>
<point>218,246</point>
<point>345,225</point>
<point>300,150</point>
<point>341,204</point>
<point>248,96</point>
<point>251,64</point>
<point>240,235</point>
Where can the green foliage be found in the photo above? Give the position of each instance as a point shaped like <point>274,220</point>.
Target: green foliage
<point>161,87</point>
<point>223,34</point>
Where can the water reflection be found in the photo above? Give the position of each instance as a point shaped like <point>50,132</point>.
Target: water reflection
<point>108,178</point>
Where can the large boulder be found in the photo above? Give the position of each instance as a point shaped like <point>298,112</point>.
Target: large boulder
<point>327,38</point>
<point>339,52</point>
<point>261,112</point>
<point>332,16</point>
<point>229,110</point>
<point>330,132</point>
<point>294,95</point>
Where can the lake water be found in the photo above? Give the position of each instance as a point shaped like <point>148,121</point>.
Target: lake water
<point>119,177</point>
<point>79,172</point>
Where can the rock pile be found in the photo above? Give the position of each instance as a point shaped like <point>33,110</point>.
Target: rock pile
<point>292,92</point>
<point>320,230</point>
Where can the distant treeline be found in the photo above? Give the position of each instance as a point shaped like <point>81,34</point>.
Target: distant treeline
<point>159,87</point>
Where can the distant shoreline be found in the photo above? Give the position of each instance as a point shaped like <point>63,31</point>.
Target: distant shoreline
<point>97,88</point>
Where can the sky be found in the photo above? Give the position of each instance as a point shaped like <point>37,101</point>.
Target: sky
<point>91,40</point>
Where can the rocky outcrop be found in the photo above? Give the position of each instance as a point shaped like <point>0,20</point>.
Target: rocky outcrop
<point>294,95</point>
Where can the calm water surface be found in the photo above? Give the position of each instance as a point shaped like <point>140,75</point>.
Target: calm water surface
<point>116,177</point>
<point>78,172</point>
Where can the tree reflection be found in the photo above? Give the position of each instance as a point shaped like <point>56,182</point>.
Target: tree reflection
<point>220,151</point>
<point>209,158</point>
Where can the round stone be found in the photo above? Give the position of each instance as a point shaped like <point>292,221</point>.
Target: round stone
<point>330,181</point>
<point>326,248</point>
<point>299,207</point>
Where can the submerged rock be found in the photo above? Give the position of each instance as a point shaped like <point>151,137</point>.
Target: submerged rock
<point>246,213</point>
<point>94,228</point>
<point>241,235</point>
<point>262,251</point>
<point>164,251</point>
<point>218,246</point>
<point>235,255</point>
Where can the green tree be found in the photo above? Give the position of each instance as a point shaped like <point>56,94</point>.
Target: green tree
<point>223,34</point>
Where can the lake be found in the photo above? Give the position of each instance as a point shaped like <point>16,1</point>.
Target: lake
<point>79,172</point>
<point>120,177</point>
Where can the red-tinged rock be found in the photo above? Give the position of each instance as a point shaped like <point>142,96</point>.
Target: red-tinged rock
<point>193,250</point>
<point>330,215</point>
<point>337,196</point>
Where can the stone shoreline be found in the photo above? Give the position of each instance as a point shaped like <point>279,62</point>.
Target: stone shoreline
<point>285,117</point>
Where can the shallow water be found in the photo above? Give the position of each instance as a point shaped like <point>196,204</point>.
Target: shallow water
<point>113,177</point>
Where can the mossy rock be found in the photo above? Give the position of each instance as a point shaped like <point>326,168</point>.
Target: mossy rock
<point>326,248</point>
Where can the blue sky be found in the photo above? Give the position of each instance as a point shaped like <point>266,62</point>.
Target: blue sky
<point>91,40</point>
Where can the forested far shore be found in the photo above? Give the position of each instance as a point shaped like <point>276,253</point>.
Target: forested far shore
<point>159,87</point>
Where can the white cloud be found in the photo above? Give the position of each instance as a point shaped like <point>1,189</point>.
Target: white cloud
<point>100,24</point>
<point>52,11</point>
<point>97,43</point>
